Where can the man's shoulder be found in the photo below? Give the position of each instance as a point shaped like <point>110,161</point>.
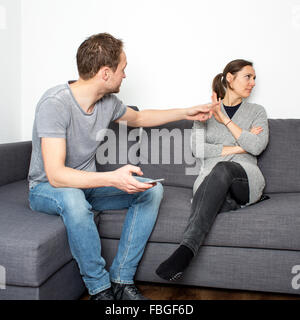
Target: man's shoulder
<point>109,98</point>
<point>58,93</point>
<point>54,101</point>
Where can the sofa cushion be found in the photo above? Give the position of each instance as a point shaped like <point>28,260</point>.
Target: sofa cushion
<point>272,223</point>
<point>280,161</point>
<point>166,153</point>
<point>33,245</point>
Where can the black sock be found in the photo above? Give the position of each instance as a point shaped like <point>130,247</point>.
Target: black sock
<point>173,267</point>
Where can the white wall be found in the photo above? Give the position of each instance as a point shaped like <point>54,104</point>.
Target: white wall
<point>10,74</point>
<point>174,48</point>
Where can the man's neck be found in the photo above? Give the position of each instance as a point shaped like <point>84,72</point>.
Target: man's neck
<point>86,94</point>
<point>231,99</point>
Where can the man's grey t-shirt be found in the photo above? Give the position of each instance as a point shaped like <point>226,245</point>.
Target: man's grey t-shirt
<point>58,115</point>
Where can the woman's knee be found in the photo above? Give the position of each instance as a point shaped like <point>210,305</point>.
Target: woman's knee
<point>222,171</point>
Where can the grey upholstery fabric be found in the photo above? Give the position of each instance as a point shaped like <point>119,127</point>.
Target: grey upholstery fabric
<point>273,224</point>
<point>253,248</point>
<point>33,245</point>
<point>221,267</point>
<point>281,155</point>
<point>279,163</point>
<point>168,158</point>
<point>65,284</point>
<point>14,160</point>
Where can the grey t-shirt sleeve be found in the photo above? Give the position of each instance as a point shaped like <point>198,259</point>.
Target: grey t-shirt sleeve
<point>52,119</point>
<point>119,108</point>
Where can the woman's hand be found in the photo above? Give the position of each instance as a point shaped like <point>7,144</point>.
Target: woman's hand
<point>217,112</point>
<point>217,117</point>
<point>256,130</point>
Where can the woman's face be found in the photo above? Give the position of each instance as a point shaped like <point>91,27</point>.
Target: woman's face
<point>243,82</point>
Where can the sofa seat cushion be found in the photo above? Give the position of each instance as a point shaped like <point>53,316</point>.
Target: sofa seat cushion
<point>272,224</point>
<point>33,245</point>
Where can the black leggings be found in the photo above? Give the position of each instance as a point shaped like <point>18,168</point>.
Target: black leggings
<point>225,188</point>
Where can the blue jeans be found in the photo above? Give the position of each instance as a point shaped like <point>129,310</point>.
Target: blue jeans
<point>75,208</point>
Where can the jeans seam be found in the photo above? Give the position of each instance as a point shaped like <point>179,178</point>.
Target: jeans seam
<point>203,194</point>
<point>192,222</point>
<point>129,241</point>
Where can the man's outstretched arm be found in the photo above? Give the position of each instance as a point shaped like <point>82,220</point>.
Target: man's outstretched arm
<point>151,118</point>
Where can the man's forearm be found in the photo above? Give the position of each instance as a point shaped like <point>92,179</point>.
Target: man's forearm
<point>152,118</point>
<point>72,178</point>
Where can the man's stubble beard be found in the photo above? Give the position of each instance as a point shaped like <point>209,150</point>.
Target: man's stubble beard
<point>114,90</point>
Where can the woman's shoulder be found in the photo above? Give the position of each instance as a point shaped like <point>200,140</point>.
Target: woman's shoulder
<point>255,107</point>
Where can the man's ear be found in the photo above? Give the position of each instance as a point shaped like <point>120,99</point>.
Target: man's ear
<point>104,73</point>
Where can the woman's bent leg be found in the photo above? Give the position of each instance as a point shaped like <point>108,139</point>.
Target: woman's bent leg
<point>207,203</point>
<point>209,199</point>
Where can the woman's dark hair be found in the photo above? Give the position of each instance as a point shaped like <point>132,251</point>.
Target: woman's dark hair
<point>220,84</point>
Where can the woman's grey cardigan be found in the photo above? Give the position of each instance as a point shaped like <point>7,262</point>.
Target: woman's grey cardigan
<point>208,139</point>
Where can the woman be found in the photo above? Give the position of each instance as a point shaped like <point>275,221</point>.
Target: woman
<point>233,137</point>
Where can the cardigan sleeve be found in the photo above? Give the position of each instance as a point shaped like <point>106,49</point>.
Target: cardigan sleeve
<point>252,143</point>
<point>200,148</point>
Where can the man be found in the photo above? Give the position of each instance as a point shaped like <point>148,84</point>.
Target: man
<point>63,179</point>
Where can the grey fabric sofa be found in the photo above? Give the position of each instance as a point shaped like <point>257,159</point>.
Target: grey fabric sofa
<point>254,248</point>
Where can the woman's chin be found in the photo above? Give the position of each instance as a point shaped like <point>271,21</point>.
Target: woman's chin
<point>246,94</point>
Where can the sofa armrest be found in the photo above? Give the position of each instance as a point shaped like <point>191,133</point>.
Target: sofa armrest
<point>14,161</point>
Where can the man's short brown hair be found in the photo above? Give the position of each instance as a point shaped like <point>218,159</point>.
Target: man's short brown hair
<point>99,50</point>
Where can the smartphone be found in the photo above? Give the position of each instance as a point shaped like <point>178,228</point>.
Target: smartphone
<point>155,180</point>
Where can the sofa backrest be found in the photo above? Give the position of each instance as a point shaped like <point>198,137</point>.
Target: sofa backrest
<point>166,153</point>
<point>280,162</point>
<point>14,161</point>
